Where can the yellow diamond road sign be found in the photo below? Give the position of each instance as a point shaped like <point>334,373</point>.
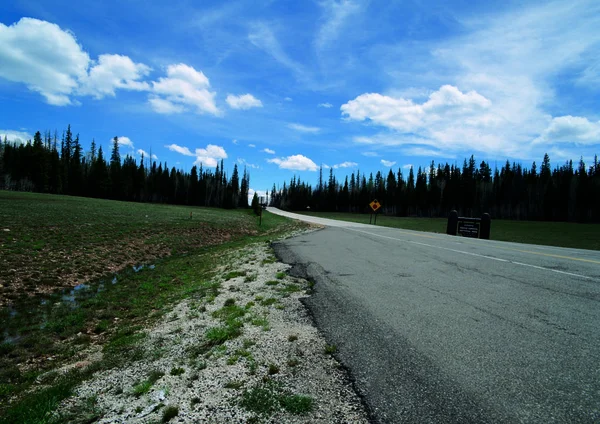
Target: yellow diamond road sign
<point>375,205</point>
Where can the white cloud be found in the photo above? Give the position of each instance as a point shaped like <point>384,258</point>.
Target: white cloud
<point>144,153</point>
<point>449,119</point>
<point>304,128</point>
<point>210,155</point>
<point>421,151</point>
<point>387,163</point>
<point>252,145</point>
<point>345,165</point>
<point>570,129</point>
<point>180,149</point>
<point>18,137</point>
<point>325,166</point>
<point>262,36</point>
<point>50,61</point>
<point>295,162</point>
<point>124,141</point>
<point>113,72</point>
<point>244,101</point>
<point>269,151</point>
<point>184,87</point>
<point>234,141</point>
<point>46,58</point>
<point>242,161</point>
<point>165,106</point>
<point>407,166</point>
<point>288,99</point>
<point>325,105</point>
<point>370,154</point>
<point>336,14</point>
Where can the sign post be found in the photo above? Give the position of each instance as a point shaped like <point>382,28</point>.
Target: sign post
<point>375,205</point>
<point>469,227</point>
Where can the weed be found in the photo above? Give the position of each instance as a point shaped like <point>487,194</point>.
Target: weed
<point>290,288</point>
<point>194,401</point>
<point>229,302</point>
<point>268,302</point>
<point>273,369</point>
<point>250,277</point>
<point>249,305</point>
<point>292,337</point>
<point>330,349</point>
<point>261,400</point>
<point>272,283</point>
<point>293,362</point>
<point>248,343</point>
<point>234,385</point>
<point>280,275</point>
<point>219,335</point>
<point>297,404</point>
<point>261,322</point>
<point>234,274</point>
<point>169,413</point>
<point>141,388</point>
<point>177,371</point>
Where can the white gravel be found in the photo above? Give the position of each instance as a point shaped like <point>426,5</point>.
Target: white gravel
<point>304,367</point>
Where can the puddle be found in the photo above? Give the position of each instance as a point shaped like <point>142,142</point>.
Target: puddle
<point>71,296</point>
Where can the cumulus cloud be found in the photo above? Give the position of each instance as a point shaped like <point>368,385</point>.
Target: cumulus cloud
<point>144,153</point>
<point>407,166</point>
<point>210,155</point>
<point>295,162</point>
<point>15,136</point>
<point>124,141</point>
<point>111,72</point>
<point>406,116</point>
<point>183,88</point>
<point>570,129</point>
<point>387,163</point>
<point>449,119</point>
<point>50,61</point>
<point>325,105</point>
<point>304,128</point>
<point>345,165</point>
<point>44,57</point>
<point>252,145</point>
<point>269,151</point>
<point>179,149</point>
<point>244,101</point>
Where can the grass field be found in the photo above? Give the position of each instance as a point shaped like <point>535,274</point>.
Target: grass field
<point>563,234</point>
<point>67,281</point>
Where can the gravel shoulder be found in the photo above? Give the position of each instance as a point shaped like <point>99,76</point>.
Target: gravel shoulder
<point>273,366</point>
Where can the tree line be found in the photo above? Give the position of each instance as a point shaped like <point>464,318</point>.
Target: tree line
<point>562,193</point>
<point>47,165</point>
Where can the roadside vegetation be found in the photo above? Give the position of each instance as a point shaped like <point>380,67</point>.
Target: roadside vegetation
<point>80,273</point>
<point>561,234</point>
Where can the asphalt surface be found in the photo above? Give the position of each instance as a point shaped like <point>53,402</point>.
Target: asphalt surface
<point>442,329</point>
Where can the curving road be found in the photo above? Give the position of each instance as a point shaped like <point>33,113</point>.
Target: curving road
<point>444,329</point>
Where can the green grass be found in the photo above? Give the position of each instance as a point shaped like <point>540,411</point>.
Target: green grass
<point>561,234</point>
<point>169,413</point>
<point>81,240</point>
<point>269,397</point>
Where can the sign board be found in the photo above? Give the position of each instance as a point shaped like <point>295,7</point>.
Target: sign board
<point>468,228</point>
<point>375,205</point>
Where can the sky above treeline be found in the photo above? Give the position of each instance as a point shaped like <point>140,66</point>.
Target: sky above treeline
<point>284,87</point>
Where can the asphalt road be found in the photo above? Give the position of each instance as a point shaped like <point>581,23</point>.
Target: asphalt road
<point>443,329</point>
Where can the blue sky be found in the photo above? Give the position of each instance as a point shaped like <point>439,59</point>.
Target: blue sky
<point>284,87</point>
